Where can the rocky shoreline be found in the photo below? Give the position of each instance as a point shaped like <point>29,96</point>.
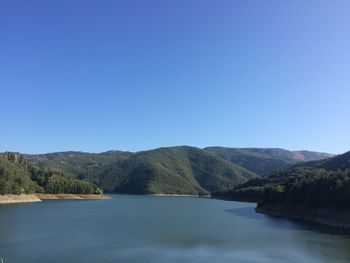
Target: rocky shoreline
<point>29,198</point>
<point>339,218</point>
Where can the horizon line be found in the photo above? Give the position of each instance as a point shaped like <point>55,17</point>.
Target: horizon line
<point>171,146</point>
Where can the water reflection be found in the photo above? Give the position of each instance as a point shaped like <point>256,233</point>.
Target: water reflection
<point>285,223</point>
<point>155,229</point>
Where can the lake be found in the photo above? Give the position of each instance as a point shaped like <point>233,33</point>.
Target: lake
<point>160,229</point>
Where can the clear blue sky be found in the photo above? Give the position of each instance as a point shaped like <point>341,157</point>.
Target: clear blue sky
<point>134,75</point>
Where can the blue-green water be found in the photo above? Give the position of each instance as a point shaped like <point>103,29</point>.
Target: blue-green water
<point>160,229</point>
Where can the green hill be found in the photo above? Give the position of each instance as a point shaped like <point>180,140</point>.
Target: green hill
<point>18,176</point>
<point>264,160</point>
<point>172,170</point>
<point>175,170</point>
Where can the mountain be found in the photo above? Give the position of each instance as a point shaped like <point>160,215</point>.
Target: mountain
<point>264,160</point>
<point>182,169</point>
<point>170,170</point>
<point>18,176</point>
<point>176,170</point>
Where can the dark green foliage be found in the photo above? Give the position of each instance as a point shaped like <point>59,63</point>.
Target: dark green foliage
<point>263,161</point>
<point>172,170</point>
<point>54,181</point>
<point>316,184</point>
<point>177,170</point>
<point>340,162</point>
<point>14,175</point>
<point>65,184</point>
<point>315,188</point>
<point>213,173</point>
<point>248,194</point>
<point>273,192</point>
<point>253,190</point>
<point>78,164</point>
<point>17,176</point>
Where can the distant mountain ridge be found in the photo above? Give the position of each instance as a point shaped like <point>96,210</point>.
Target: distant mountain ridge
<point>264,160</point>
<point>172,170</point>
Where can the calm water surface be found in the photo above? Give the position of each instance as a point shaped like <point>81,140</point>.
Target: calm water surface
<point>160,229</point>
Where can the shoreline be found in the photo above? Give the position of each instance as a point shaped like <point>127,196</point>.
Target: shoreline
<point>22,198</point>
<point>178,195</point>
<point>31,198</point>
<point>72,197</point>
<point>338,218</point>
<point>242,200</point>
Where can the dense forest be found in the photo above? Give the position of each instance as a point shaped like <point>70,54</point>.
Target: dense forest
<point>178,170</point>
<point>18,176</point>
<point>173,170</point>
<point>315,184</point>
<point>168,170</point>
<point>314,188</point>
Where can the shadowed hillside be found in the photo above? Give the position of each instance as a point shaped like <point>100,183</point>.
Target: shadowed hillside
<point>324,179</point>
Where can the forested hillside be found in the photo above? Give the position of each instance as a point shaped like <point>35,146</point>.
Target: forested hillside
<point>175,170</point>
<point>310,183</point>
<point>172,170</point>
<point>78,164</point>
<point>18,176</point>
